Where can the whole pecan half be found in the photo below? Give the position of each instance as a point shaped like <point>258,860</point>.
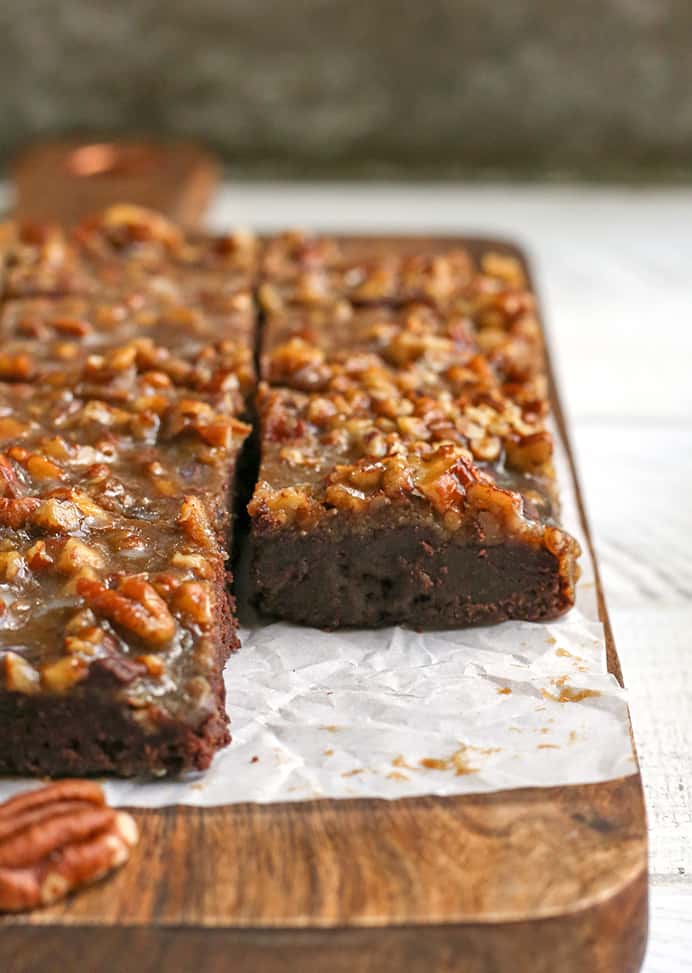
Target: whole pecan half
<point>134,604</point>
<point>57,838</point>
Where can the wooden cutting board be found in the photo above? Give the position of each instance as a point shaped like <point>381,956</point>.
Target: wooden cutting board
<point>543,880</point>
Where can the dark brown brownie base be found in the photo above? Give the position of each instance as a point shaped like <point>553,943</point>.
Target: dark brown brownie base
<point>401,576</point>
<point>88,733</point>
<point>55,737</point>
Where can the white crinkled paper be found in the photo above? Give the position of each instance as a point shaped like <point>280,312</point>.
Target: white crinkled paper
<point>396,713</point>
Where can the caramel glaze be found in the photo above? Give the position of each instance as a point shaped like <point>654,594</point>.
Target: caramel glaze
<point>126,363</point>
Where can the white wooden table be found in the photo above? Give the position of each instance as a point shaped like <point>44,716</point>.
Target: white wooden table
<point>615,269</point>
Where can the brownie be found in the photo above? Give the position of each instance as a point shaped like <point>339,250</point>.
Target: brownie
<point>72,338</point>
<point>298,269</point>
<point>125,250</point>
<point>123,386</point>
<point>406,471</point>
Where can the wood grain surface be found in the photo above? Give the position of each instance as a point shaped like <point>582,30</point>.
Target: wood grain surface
<point>532,880</point>
<point>527,881</point>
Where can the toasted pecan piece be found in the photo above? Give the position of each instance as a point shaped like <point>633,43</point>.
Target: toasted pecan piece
<point>56,839</point>
<point>134,604</point>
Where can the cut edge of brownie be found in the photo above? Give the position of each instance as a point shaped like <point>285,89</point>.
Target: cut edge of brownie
<point>405,576</point>
<point>54,737</point>
<point>89,733</point>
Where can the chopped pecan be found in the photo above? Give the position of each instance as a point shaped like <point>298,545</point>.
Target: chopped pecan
<point>56,839</point>
<point>499,513</point>
<point>76,555</point>
<point>281,508</point>
<point>157,379</point>
<point>345,497</point>
<point>103,414</point>
<point>218,432</point>
<point>85,642</point>
<point>193,598</point>
<point>84,505</point>
<point>298,364</point>
<point>70,586</point>
<point>75,327</point>
<point>65,351</point>
<point>20,675</point>
<point>530,453</point>
<point>501,265</point>
<point>55,446</point>
<point>10,485</point>
<point>17,367</point>
<point>196,563</point>
<point>42,468</point>
<point>153,664</point>
<point>486,448</point>
<point>195,522</point>
<point>127,223</point>
<point>12,565</point>
<point>84,618</point>
<point>58,677</point>
<point>166,584</point>
<point>444,477</point>
<point>134,604</point>
<point>18,453</point>
<point>18,512</point>
<point>57,516</point>
<point>38,556</point>
<point>221,431</point>
<point>11,428</point>
<point>321,410</point>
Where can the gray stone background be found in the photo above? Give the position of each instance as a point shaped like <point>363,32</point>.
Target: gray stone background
<point>599,89</point>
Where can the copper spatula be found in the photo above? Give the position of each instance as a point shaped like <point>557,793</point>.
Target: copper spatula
<point>64,181</point>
